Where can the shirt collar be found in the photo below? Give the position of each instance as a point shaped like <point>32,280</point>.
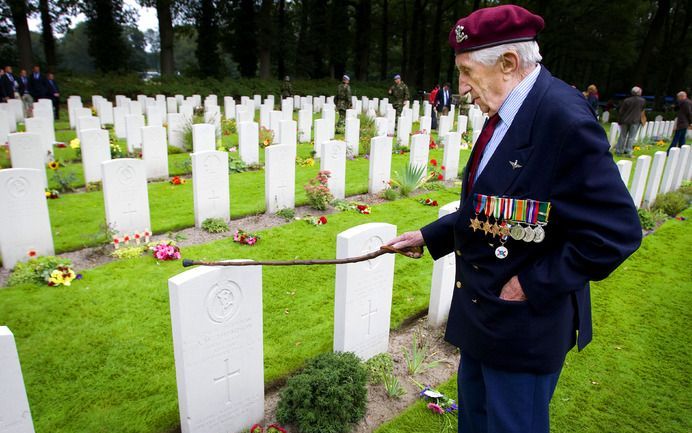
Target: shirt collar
<point>511,105</point>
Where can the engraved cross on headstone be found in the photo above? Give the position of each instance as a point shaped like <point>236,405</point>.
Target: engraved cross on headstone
<point>369,315</point>
<point>130,213</point>
<point>227,377</point>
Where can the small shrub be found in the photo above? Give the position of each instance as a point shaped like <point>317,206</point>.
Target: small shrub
<point>417,356</point>
<point>185,165</point>
<point>649,219</point>
<point>378,366</point>
<point>35,271</point>
<point>287,213</point>
<point>317,191</point>
<point>367,132</point>
<point>65,180</point>
<point>228,127</point>
<point>671,203</point>
<point>214,225</point>
<point>236,165</point>
<point>129,252</point>
<point>390,194</point>
<point>94,186</point>
<point>412,179</point>
<point>328,396</point>
<point>392,386</point>
<point>173,150</point>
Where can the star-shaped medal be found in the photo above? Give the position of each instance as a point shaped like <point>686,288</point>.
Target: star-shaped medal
<point>475,224</point>
<point>487,227</point>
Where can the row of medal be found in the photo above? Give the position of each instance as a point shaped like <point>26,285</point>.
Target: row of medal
<point>512,218</point>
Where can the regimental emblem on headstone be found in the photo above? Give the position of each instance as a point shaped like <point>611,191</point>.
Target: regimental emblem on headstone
<point>223,301</point>
<point>460,34</point>
<point>126,174</point>
<point>373,244</point>
<point>17,186</point>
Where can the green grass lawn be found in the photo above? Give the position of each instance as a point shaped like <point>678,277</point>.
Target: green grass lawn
<point>97,356</point>
<point>635,376</point>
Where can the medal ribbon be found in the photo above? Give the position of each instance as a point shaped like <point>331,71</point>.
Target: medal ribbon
<point>508,208</point>
<point>480,203</point>
<point>489,204</point>
<point>533,211</point>
<point>519,211</point>
<point>543,212</point>
<point>497,209</point>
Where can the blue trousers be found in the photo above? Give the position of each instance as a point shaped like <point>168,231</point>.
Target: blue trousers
<point>678,139</point>
<point>496,401</point>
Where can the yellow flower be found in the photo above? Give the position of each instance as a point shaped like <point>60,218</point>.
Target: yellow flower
<point>53,165</point>
<point>74,143</point>
<point>48,194</point>
<point>56,277</point>
<point>660,143</point>
<point>310,162</point>
<point>637,148</point>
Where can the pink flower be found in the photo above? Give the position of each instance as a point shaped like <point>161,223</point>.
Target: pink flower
<point>251,241</point>
<point>436,408</point>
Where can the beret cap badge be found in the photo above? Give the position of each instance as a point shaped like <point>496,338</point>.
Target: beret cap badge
<point>461,36</point>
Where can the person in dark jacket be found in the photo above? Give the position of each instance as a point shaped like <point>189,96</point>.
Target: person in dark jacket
<point>630,115</point>
<point>682,121</point>
<point>8,83</point>
<point>38,86</point>
<point>24,93</point>
<point>543,211</point>
<point>54,93</point>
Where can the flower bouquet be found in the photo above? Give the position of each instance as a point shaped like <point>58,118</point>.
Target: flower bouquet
<point>428,202</point>
<point>177,180</point>
<point>315,221</point>
<point>61,275</point>
<point>165,250</point>
<point>246,238</point>
<point>442,405</point>
<point>271,428</point>
<point>52,194</point>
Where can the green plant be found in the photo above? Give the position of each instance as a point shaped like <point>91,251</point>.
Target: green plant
<point>65,180</point>
<point>214,225</point>
<point>94,186</point>
<point>173,150</point>
<point>318,192</point>
<point>412,178</point>
<point>378,366</point>
<point>185,165</point>
<point>287,213</point>
<point>129,252</point>
<point>228,127</point>
<point>367,132</point>
<point>102,237</point>
<point>328,396</point>
<point>35,271</point>
<point>418,354</point>
<point>649,219</point>
<point>671,203</point>
<point>392,386</point>
<point>236,165</point>
<point>389,194</point>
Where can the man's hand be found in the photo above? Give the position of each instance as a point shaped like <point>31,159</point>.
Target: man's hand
<point>512,290</point>
<point>408,239</point>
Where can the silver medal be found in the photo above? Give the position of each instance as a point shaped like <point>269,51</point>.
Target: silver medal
<point>501,252</point>
<point>517,232</point>
<point>528,234</point>
<point>539,234</point>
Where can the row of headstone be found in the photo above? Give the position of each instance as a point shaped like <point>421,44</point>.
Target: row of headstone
<point>652,130</point>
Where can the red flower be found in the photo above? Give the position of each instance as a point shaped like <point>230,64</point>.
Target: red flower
<point>428,201</point>
<point>323,220</point>
<point>442,167</point>
<point>116,240</point>
<point>256,428</point>
<point>126,238</point>
<point>32,253</point>
<point>277,428</point>
<point>433,162</point>
<point>136,235</point>
<point>440,177</point>
<point>434,203</point>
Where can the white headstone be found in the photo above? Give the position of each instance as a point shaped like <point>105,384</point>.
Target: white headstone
<point>380,164</point>
<point>450,158</point>
<point>415,111</point>
<point>404,130</point>
<point>304,125</point>
<point>420,149</point>
<point>187,110</point>
<point>329,115</point>
<point>625,167</point>
<point>154,116</point>
<point>425,124</point>
<point>288,132</point>
<point>213,116</point>
<point>654,181</point>
<point>203,137</point>
<point>87,122</point>
<point>443,128</point>
<point>287,109</point>
<point>321,135</point>
<point>125,195</point>
<point>427,109</point>
<point>5,118</point>
<point>639,179</point>
<point>614,132</point>
<point>248,142</point>
<point>72,104</point>
<point>106,113</point>
<point>391,121</point>
<point>210,186</point>
<point>95,147</point>
<point>462,123</point>
<point>135,107</point>
<point>216,315</point>
<point>334,160</point>
<point>228,107</point>
<point>119,125</point>
<point>279,177</point>
<point>442,286</point>
<point>176,127</point>
<point>134,124</point>
<point>171,105</point>
<point>155,151</point>
<point>605,117</point>
<point>681,169</point>
<point>27,151</point>
<point>669,170</point>
<point>381,126</point>
<point>363,298</point>
<point>15,414</point>
<point>42,127</point>
<point>352,135</point>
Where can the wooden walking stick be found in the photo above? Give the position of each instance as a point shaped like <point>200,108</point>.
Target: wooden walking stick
<point>412,252</point>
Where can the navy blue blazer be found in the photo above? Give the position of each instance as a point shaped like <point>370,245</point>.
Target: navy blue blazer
<point>593,228</point>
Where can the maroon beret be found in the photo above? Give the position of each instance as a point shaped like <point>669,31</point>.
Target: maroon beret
<point>493,26</point>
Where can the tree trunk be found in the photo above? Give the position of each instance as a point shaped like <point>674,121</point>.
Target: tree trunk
<point>47,35</point>
<point>383,41</point>
<point>651,41</point>
<point>404,41</point>
<point>281,69</point>
<point>362,45</point>
<point>264,39</point>
<point>436,43</point>
<point>452,64</point>
<point>302,62</point>
<point>21,27</point>
<point>208,40</point>
<point>165,17</point>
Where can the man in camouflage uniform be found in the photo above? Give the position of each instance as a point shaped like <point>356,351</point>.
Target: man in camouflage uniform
<point>399,94</point>
<point>343,99</point>
<point>286,88</point>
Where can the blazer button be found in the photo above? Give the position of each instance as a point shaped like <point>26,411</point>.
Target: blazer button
<point>458,252</point>
<point>458,284</point>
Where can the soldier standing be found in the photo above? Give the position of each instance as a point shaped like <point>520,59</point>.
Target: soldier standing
<point>343,98</point>
<point>286,88</point>
<point>399,94</point>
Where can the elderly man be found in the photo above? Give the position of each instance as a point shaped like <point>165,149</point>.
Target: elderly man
<point>630,115</point>
<point>343,98</point>
<point>399,94</point>
<point>543,211</point>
